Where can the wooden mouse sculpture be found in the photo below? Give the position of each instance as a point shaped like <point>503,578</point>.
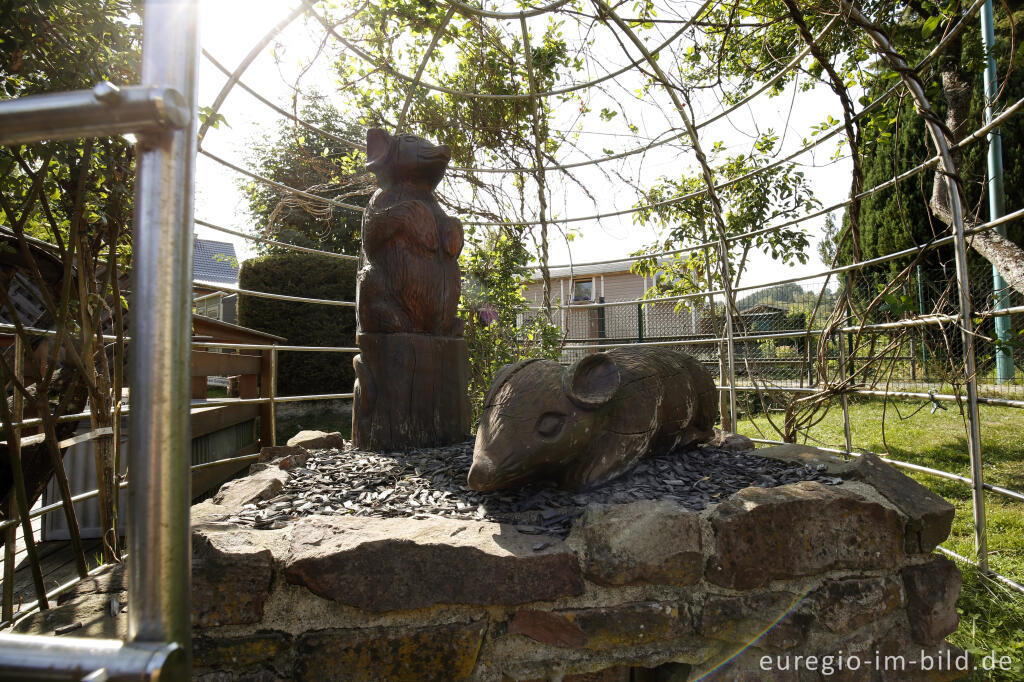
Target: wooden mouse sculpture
<point>412,371</point>
<point>409,277</point>
<point>583,425</point>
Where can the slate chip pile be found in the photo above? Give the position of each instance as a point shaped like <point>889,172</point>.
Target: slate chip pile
<point>432,483</point>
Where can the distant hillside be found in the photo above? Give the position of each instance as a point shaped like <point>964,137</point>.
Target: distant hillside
<point>781,295</point>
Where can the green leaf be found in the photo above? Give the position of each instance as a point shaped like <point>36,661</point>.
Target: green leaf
<point>930,25</point>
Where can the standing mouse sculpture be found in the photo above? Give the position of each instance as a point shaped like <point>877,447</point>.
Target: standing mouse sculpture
<point>409,278</point>
<point>583,425</point>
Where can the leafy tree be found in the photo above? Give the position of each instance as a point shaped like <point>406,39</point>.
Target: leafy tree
<point>321,165</point>
<point>77,196</point>
<point>900,217</point>
<point>499,329</point>
<point>756,196</point>
<point>751,201</point>
<point>827,245</point>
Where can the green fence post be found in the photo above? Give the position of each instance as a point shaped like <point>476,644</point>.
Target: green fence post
<point>921,311</point>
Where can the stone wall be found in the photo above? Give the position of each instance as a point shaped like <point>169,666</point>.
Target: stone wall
<point>640,591</point>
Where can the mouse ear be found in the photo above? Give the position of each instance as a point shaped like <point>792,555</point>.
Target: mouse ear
<point>592,381</point>
<point>378,144</point>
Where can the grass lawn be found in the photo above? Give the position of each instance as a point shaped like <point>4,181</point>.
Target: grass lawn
<point>991,614</point>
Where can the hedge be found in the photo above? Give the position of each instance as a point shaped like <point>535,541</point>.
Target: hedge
<point>303,324</point>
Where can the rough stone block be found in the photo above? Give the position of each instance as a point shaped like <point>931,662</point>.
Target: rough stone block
<point>317,440</point>
<point>273,453</point>
<point>401,564</point>
<point>770,616</point>
<point>932,590</point>
<point>231,574</point>
<point>800,529</point>
<point>613,627</point>
<point>108,580</point>
<point>268,652</point>
<point>733,442</point>
<point>259,486</point>
<point>207,512</point>
<point>87,615</point>
<point>437,652</point>
<point>794,453</point>
<point>846,605</point>
<point>898,659</point>
<point>643,542</point>
<point>929,517</point>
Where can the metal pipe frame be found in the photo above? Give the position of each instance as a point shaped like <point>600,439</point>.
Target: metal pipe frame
<point>996,195</point>
<point>991,574</point>
<point>243,65</point>
<point>159,499</point>
<point>275,297</point>
<point>280,185</point>
<point>220,402</point>
<point>23,657</point>
<point>105,110</point>
<point>268,346</point>
<point>264,240</point>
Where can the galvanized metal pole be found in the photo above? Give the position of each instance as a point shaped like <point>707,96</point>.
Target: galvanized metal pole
<point>11,532</point>
<point>272,408</point>
<point>844,401</point>
<point>159,563</point>
<point>996,198</point>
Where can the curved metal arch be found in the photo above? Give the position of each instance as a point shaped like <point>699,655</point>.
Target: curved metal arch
<point>835,130</point>
<point>883,46</point>
<point>369,59</point>
<point>283,112</point>
<point>939,47</point>
<point>244,64</point>
<point>525,14</point>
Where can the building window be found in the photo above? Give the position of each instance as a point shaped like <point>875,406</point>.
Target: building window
<point>583,290</point>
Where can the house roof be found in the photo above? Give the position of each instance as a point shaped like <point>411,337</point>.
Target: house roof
<point>214,261</point>
<point>586,269</point>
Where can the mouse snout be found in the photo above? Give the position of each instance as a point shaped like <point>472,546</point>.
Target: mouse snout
<point>481,474</point>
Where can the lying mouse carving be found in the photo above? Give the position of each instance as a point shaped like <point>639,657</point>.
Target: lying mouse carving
<point>581,426</point>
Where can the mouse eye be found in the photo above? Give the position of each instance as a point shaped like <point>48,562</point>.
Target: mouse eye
<point>550,424</point>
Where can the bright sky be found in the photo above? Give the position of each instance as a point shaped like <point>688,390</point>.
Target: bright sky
<point>230,28</point>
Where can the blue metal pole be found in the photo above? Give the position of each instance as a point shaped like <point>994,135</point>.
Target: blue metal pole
<point>996,197</point>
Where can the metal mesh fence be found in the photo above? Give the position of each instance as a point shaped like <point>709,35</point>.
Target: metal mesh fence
<point>778,329</point>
